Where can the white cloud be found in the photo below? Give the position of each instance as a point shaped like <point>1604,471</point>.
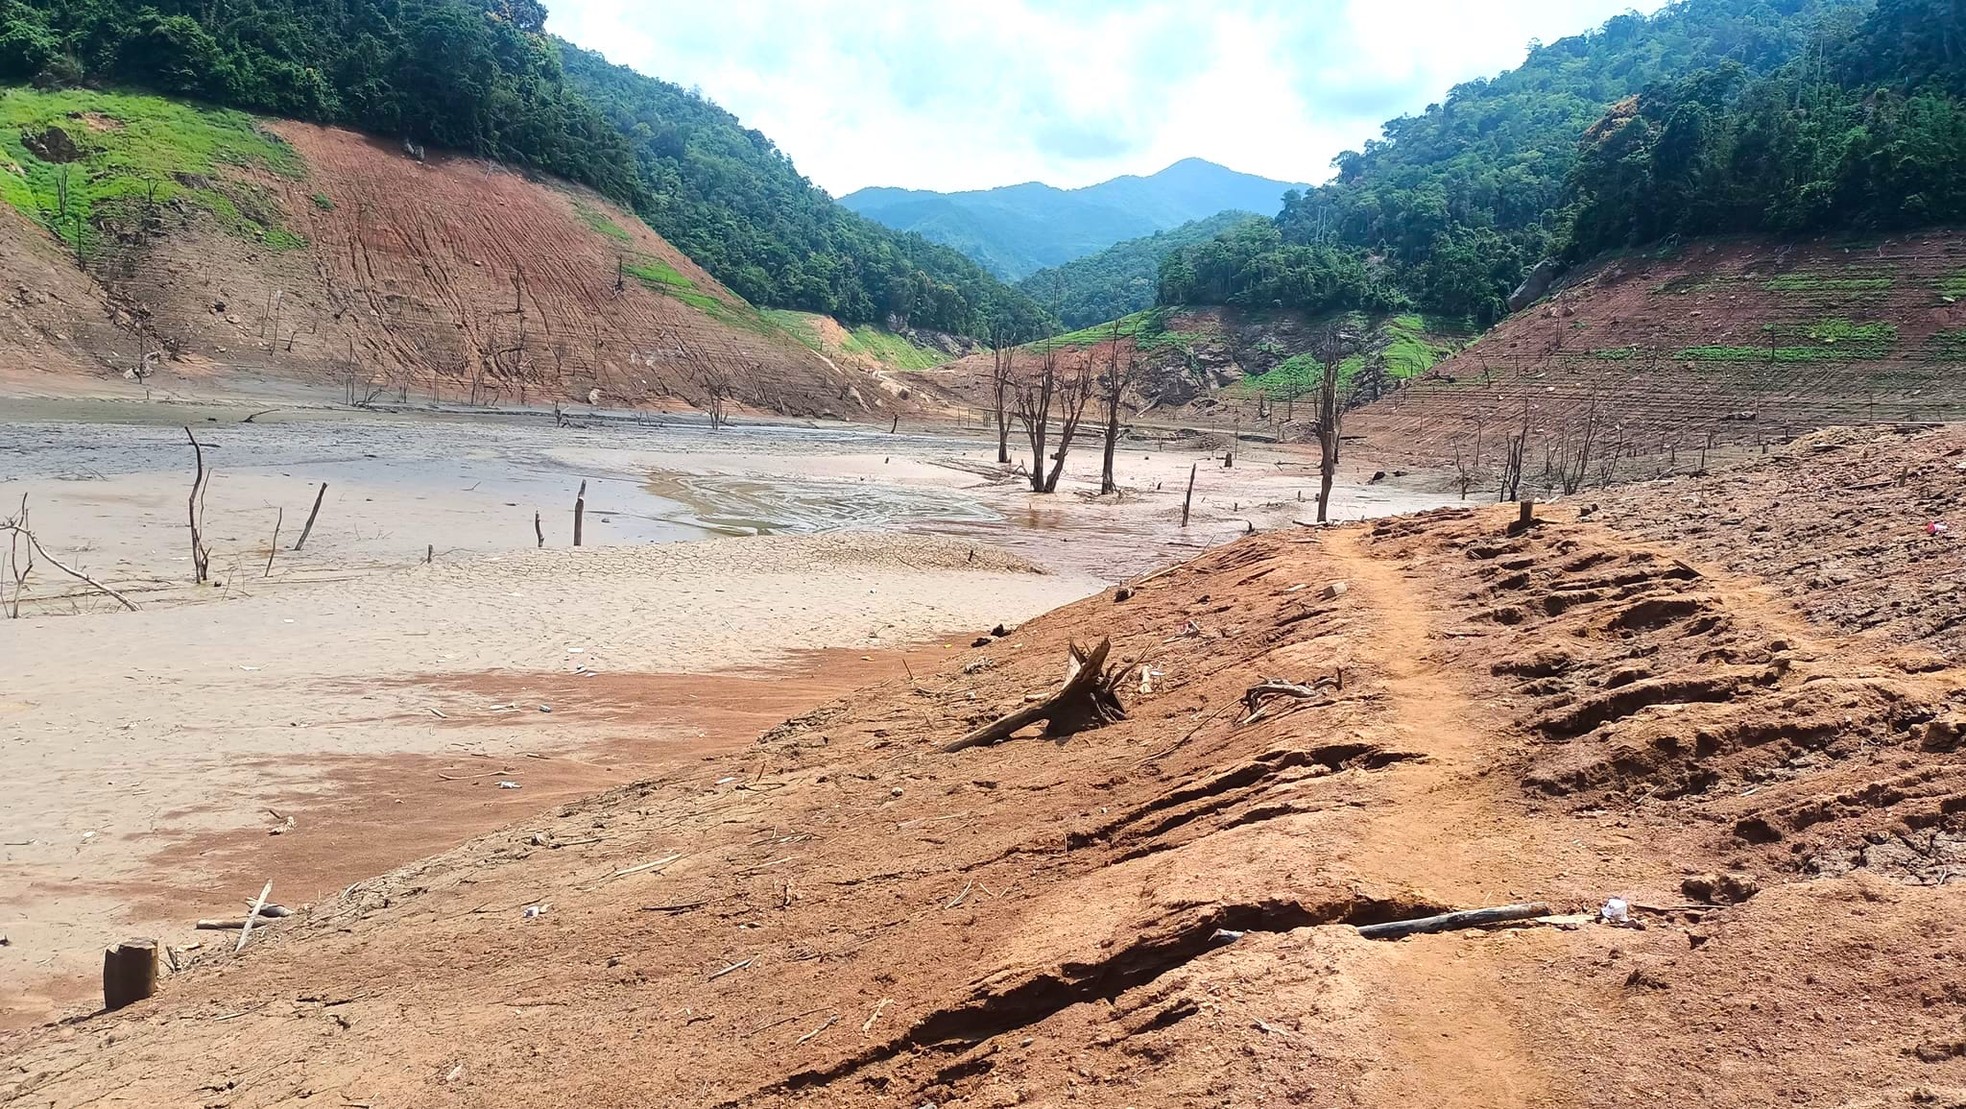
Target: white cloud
<point>961,94</point>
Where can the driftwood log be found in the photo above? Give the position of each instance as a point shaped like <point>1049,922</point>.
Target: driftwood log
<point>1448,922</point>
<point>1089,699</point>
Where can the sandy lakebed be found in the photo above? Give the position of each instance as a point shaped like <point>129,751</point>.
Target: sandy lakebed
<point>424,670</point>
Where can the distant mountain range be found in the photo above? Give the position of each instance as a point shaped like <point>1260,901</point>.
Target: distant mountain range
<point>1018,230</point>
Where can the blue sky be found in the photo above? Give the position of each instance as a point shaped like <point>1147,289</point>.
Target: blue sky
<point>964,94</point>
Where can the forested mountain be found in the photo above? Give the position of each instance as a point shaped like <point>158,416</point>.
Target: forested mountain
<point>1450,208</point>
<point>1867,132</point>
<point>734,202</point>
<point>1017,230</point>
<point>1125,277</point>
<point>482,76</point>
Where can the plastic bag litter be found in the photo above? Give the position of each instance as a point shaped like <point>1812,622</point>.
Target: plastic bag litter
<point>508,785</point>
<point>1615,911</point>
<point>534,912</point>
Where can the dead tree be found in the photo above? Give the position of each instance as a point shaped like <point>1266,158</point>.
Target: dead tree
<point>1002,369</point>
<point>1337,343</point>
<point>1036,399</point>
<point>1113,386</point>
<point>1088,700</point>
<point>1517,447</point>
<point>201,559</point>
<point>716,385</point>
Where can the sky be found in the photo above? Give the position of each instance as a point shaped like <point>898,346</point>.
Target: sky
<point>971,94</point>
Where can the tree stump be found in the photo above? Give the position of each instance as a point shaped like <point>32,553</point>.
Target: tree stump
<point>1089,699</point>
<point>129,973</point>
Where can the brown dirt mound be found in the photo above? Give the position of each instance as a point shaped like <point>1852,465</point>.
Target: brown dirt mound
<point>1739,342</point>
<point>1158,912</point>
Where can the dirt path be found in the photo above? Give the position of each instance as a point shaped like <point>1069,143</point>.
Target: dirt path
<point>1452,1037</point>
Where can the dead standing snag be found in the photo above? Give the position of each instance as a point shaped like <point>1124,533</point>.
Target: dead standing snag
<point>1089,699</point>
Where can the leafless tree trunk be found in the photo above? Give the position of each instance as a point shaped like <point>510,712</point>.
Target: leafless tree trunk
<point>201,559</point>
<point>1517,447</point>
<point>1075,393</point>
<point>1114,384</point>
<point>16,544</point>
<point>1033,400</point>
<point>1336,344</point>
<point>1001,372</point>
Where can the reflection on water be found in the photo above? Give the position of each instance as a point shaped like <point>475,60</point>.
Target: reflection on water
<point>735,505</point>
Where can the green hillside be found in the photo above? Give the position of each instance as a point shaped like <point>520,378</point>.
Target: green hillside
<point>1451,208</point>
<point>1123,278</point>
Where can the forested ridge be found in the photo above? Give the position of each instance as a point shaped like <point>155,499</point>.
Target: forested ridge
<point>1450,208</point>
<point>482,76</point>
<point>1123,278</point>
<point>1865,131</point>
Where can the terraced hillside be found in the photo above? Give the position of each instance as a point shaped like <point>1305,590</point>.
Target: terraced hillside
<point>1727,342</point>
<point>173,242</point>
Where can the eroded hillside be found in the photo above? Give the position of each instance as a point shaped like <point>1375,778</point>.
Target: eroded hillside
<point>1163,912</point>
<point>212,245</point>
<point>1730,342</point>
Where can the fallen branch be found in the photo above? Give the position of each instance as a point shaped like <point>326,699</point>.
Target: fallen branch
<point>733,968</point>
<point>1089,699</point>
<point>35,544</point>
<point>1449,922</point>
<point>830,1022</point>
<point>1261,693</point>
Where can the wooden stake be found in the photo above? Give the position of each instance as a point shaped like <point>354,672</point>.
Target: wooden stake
<point>264,893</point>
<point>430,554</point>
<point>309,529</point>
<point>579,512</point>
<point>129,973</point>
<point>1189,500</point>
<point>538,530</point>
<point>274,548</point>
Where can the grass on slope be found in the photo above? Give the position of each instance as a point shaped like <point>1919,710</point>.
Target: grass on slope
<point>1404,346</point>
<point>136,157</point>
<point>890,351</point>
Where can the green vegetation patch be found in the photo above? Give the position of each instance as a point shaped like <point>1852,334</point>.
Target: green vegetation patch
<point>599,221</point>
<point>1767,354</point>
<point>892,350</point>
<point>1405,347</point>
<point>323,201</point>
<point>1849,331</point>
<point>1953,287</point>
<point>655,273</point>
<point>116,162</point>
<point>1848,281</point>
<point>1947,346</point>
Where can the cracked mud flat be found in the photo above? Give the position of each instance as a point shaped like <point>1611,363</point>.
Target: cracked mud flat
<point>841,915</point>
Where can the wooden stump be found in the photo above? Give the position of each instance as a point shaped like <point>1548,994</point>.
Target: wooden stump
<point>1089,699</point>
<point>129,973</point>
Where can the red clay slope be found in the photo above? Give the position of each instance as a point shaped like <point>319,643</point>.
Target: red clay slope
<point>1746,341</point>
<point>450,276</point>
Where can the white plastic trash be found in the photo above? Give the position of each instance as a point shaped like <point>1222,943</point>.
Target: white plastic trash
<point>508,785</point>
<point>1615,911</point>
